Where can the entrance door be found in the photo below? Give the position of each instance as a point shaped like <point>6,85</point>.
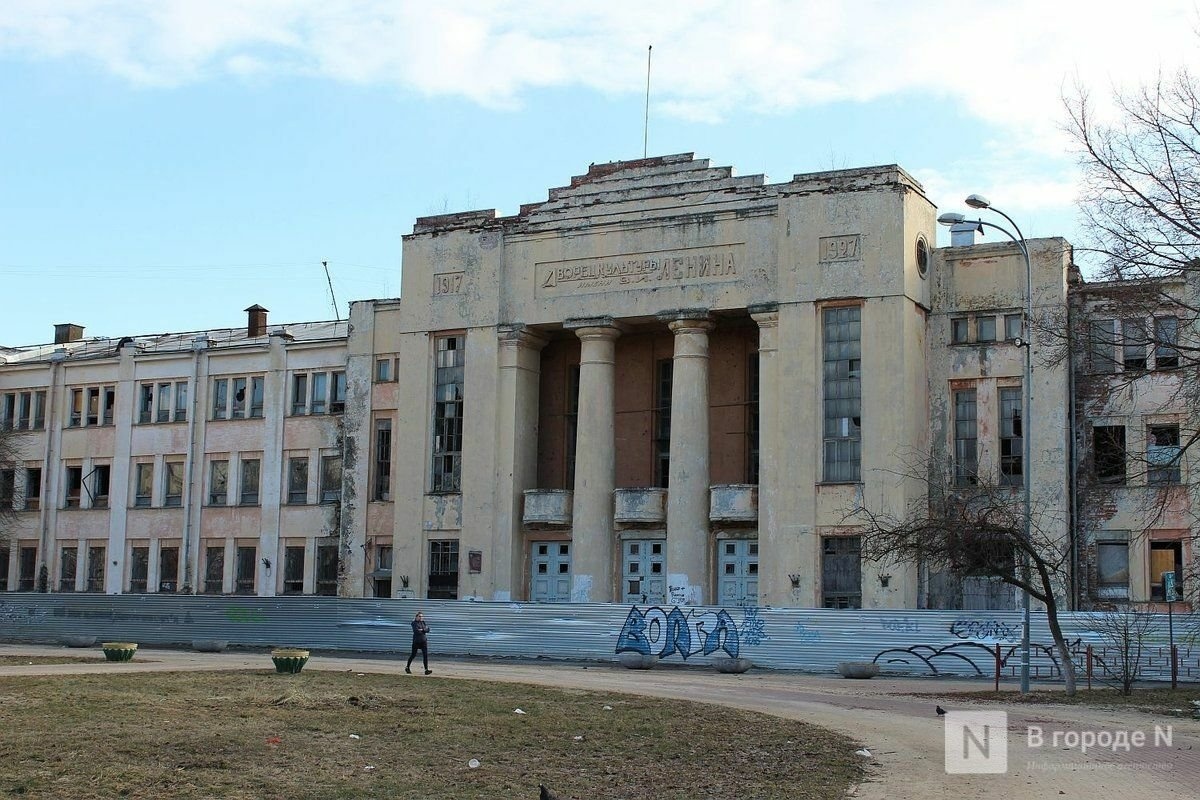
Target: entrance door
<point>841,572</point>
<point>737,572</point>
<point>551,571</point>
<point>443,569</point>
<point>644,571</point>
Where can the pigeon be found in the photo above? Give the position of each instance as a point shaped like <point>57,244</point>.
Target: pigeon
<point>863,753</point>
<point>941,712</point>
<point>545,793</point>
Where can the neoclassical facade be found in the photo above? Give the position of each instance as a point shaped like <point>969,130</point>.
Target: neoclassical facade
<point>664,384</point>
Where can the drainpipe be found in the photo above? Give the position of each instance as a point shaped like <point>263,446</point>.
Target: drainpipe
<point>1072,485</point>
<point>199,346</point>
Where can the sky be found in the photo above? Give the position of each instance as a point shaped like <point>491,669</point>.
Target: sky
<point>166,163</point>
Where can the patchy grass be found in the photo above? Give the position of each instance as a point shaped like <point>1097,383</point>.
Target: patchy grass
<point>1150,700</point>
<point>24,661</point>
<point>262,735</point>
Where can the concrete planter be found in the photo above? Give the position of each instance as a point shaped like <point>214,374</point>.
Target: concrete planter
<point>289,660</point>
<point>636,661</point>
<point>732,666</point>
<point>79,641</point>
<point>209,645</point>
<point>119,651</point>
<point>858,669</point>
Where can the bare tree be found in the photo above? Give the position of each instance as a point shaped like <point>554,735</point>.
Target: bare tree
<point>8,458</point>
<point>977,531</point>
<point>1124,634</point>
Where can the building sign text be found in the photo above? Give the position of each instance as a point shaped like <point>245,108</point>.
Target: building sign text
<point>690,266</point>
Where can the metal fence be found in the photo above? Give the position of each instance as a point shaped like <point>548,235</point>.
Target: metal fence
<point>962,643</point>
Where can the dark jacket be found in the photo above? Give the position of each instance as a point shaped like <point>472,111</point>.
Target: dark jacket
<point>420,629</point>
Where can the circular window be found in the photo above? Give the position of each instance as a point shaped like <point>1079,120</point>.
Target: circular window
<point>922,256</point>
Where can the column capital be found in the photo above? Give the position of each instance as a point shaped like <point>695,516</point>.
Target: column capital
<point>765,314</point>
<point>593,327</point>
<point>519,335</point>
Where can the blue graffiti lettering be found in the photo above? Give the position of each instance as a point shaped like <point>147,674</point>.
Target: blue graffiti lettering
<point>665,633</point>
<point>806,634</point>
<point>753,629</point>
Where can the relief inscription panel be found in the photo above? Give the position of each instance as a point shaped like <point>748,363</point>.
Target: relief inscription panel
<point>720,263</point>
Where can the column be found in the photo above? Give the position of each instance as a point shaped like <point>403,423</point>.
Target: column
<point>689,554</point>
<point>516,453</point>
<point>778,558</point>
<point>595,463</point>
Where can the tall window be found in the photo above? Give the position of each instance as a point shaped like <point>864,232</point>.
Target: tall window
<point>214,570</point>
<point>66,571</point>
<point>139,569</point>
<point>23,410</point>
<point>448,414</point>
<point>1162,453</point>
<point>1108,453</point>
<point>383,460</point>
<point>843,394</point>
<point>173,490</point>
<point>966,458</point>
<point>33,488</point>
<point>220,398</point>
<point>1166,340</point>
<point>443,569</point>
<point>168,569</point>
<point>1165,556</point>
<point>571,422</point>
<point>249,484</point>
<point>1133,344</point>
<point>74,486</point>
<point>1011,438</point>
<point>331,478</point>
<point>297,480</point>
<point>98,485</point>
<point>299,394</point>
<point>143,484</point>
<point>752,418</point>
<point>337,393</point>
<point>246,565</point>
<point>663,377</point>
<point>293,570</point>
<point>238,398</point>
<point>327,569</point>
<point>8,489</point>
<point>1103,343</point>
<point>218,483</point>
<point>320,382</point>
<point>841,572</point>
<point>95,569</point>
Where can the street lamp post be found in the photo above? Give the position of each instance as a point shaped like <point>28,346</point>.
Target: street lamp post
<point>979,202</point>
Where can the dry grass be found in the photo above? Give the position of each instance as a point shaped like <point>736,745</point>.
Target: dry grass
<point>263,735</point>
<point>24,661</point>
<point>1160,701</point>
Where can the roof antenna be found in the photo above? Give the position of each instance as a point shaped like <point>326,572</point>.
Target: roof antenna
<point>332,298</point>
<point>646,126</point>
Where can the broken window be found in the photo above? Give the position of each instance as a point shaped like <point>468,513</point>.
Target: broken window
<point>842,379</point>
<point>1162,453</point>
<point>966,439</point>
<point>1012,442</point>
<point>1108,453</point>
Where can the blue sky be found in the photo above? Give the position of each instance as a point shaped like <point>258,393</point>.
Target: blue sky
<point>165,164</point>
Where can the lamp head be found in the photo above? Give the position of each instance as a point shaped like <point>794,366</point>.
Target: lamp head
<point>950,218</point>
<point>978,201</point>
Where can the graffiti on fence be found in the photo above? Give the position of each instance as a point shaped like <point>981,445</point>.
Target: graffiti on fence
<point>901,625</point>
<point>665,633</point>
<point>753,629</point>
<point>990,629</point>
<point>805,633</point>
<point>979,657</point>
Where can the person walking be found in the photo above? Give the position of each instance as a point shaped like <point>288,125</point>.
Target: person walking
<point>420,642</point>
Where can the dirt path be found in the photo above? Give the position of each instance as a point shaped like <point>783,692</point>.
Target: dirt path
<point>904,735</point>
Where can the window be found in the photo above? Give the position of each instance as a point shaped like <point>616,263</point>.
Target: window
<point>23,410</point>
<point>443,570</point>
<point>181,401</point>
<point>293,570</point>
<point>95,570</point>
<point>26,567</point>
<point>214,570</point>
<point>327,570</point>
<point>985,329</point>
<point>383,370</point>
<point>8,489</point>
<point>842,377</point>
<point>1013,329</point>
<point>966,459</point>
<point>382,576</point>
<point>337,393</point>
<point>317,399</point>
<point>249,483</point>
<point>173,494</point>
<point>1165,556</point>
<point>1133,344</point>
<point>100,479</point>
<point>1108,453</point>
<point>383,460</point>
<point>1102,345</point>
<point>571,422</point>
<point>1011,438</point>
<point>139,568</point>
<point>168,569</point>
<point>841,572</point>
<point>66,570</point>
<point>959,330</point>
<point>299,394</point>
<point>1162,453</point>
<point>33,488</point>
<point>91,405</point>
<point>297,480</point>
<point>238,397</point>
<point>663,379</point>
<point>447,415</point>
<point>74,486</point>
<point>145,402</point>
<point>752,418</point>
<point>162,402</point>
<point>1166,341</point>
<point>247,564</point>
<point>143,483</point>
<point>4,557</point>
<point>218,483</point>
<point>331,478</point>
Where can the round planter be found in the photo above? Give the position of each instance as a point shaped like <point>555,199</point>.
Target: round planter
<point>734,666</point>
<point>209,645</point>
<point>79,641</point>
<point>636,661</point>
<point>289,660</point>
<point>119,651</point>
<point>858,669</point>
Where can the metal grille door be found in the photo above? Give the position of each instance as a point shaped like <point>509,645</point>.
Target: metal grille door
<point>737,572</point>
<point>644,571</point>
<point>841,572</point>
<point>551,570</point>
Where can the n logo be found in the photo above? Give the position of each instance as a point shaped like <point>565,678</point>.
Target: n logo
<point>976,742</point>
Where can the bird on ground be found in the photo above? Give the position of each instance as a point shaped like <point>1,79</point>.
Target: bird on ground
<point>863,753</point>
<point>546,794</point>
<point>941,712</point>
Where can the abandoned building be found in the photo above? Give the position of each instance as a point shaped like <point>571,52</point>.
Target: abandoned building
<point>663,384</point>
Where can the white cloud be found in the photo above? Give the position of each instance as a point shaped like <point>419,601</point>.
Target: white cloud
<point>1007,63</point>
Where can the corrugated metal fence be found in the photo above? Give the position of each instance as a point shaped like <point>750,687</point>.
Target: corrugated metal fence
<point>914,642</point>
